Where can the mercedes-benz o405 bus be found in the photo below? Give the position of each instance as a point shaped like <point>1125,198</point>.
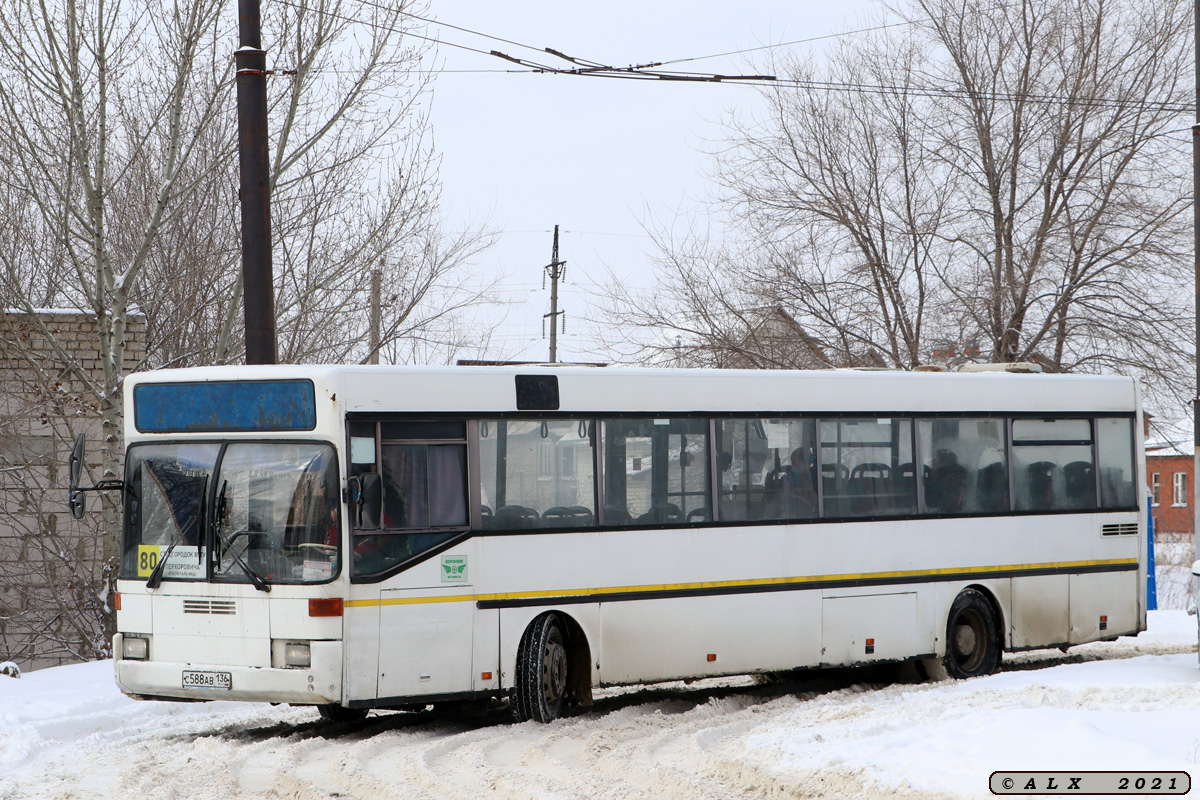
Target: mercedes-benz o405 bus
<point>357,537</point>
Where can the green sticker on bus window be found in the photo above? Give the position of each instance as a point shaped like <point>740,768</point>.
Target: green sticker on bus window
<point>454,569</point>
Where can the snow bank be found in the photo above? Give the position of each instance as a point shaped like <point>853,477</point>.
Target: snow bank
<point>1132,704</point>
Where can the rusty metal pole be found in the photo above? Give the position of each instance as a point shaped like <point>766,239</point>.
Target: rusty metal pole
<point>258,283</point>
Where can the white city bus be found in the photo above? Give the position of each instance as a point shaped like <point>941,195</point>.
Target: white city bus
<point>385,537</point>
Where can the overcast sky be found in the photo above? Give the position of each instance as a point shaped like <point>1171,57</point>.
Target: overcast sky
<point>598,157</point>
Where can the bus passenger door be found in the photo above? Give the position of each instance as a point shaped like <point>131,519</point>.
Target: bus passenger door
<point>426,632</point>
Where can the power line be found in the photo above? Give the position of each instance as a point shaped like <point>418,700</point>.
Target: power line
<point>647,71</point>
<point>811,39</point>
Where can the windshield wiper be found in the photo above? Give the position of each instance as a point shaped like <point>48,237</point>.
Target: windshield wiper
<point>156,576</point>
<point>254,577</point>
<point>197,523</point>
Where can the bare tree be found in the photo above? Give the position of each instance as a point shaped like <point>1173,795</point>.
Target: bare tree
<point>1060,119</point>
<point>117,157</point>
<point>984,177</point>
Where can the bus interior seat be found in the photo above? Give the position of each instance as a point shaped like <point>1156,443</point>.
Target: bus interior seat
<point>615,515</point>
<point>946,484</point>
<point>513,516</point>
<point>904,484</point>
<point>1040,475</point>
<point>1079,484</point>
<point>701,514</point>
<point>567,516</point>
<point>869,486</point>
<point>991,488</point>
<point>661,514</point>
<point>833,484</point>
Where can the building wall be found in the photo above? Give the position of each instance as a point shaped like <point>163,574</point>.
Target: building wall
<point>51,597</point>
<point>1171,519</point>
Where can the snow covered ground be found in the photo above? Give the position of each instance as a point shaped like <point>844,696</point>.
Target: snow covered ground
<point>1132,704</point>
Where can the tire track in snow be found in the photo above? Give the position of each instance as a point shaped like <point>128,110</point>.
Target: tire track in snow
<point>672,742</point>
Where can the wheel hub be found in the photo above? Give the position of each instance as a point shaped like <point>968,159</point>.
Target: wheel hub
<point>555,683</point>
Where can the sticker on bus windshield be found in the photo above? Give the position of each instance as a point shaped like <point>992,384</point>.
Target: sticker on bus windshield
<point>186,562</point>
<point>454,569</point>
<point>317,571</point>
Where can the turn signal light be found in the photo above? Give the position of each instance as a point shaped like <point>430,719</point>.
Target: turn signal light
<point>712,656</point>
<point>325,607</point>
<point>117,601</point>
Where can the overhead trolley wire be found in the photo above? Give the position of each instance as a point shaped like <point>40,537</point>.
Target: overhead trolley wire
<point>648,71</point>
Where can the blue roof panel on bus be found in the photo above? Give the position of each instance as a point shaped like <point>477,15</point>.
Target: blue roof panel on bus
<point>225,406</point>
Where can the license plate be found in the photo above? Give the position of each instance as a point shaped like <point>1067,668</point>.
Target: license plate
<point>193,679</point>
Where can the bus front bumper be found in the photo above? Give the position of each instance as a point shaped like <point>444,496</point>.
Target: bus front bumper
<point>164,680</point>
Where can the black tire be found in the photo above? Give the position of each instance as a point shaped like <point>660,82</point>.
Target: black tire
<point>336,713</point>
<point>541,680</point>
<point>972,637</point>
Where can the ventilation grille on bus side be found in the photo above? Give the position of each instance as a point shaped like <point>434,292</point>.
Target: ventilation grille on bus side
<point>209,607</point>
<point>1120,529</point>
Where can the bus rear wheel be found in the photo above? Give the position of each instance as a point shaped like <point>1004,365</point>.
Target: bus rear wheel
<point>972,637</point>
<point>541,679</point>
<point>335,713</point>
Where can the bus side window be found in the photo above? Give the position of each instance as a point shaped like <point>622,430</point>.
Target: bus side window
<point>656,471</point>
<point>424,486</point>
<point>963,465</point>
<point>537,473</point>
<point>1053,465</point>
<point>768,469</point>
<point>1114,457</point>
<point>867,467</point>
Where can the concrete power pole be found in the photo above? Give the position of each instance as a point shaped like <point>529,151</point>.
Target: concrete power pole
<point>555,269</point>
<point>376,311</point>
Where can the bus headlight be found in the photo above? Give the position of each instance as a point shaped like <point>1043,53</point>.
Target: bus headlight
<point>135,648</point>
<point>297,655</point>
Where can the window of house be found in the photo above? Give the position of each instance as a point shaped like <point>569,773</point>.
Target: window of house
<point>1155,488</point>
<point>1180,487</point>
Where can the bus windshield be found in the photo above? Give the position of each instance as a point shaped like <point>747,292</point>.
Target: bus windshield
<point>243,512</point>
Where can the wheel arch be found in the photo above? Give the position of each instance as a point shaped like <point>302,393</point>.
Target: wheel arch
<point>579,660</point>
<point>581,666</point>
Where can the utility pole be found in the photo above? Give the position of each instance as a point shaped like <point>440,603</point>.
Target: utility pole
<point>376,311</point>
<point>1196,226</point>
<point>556,270</point>
<point>258,301</point>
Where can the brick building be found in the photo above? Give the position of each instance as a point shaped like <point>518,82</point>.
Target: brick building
<point>1169,474</point>
<point>51,582</point>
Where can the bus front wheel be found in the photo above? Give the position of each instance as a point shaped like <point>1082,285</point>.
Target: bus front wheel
<point>541,679</point>
<point>972,637</point>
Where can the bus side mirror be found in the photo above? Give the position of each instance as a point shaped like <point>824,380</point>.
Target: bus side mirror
<point>75,498</point>
<point>370,501</point>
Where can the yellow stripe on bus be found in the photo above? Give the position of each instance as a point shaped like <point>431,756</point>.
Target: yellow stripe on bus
<point>764,582</point>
